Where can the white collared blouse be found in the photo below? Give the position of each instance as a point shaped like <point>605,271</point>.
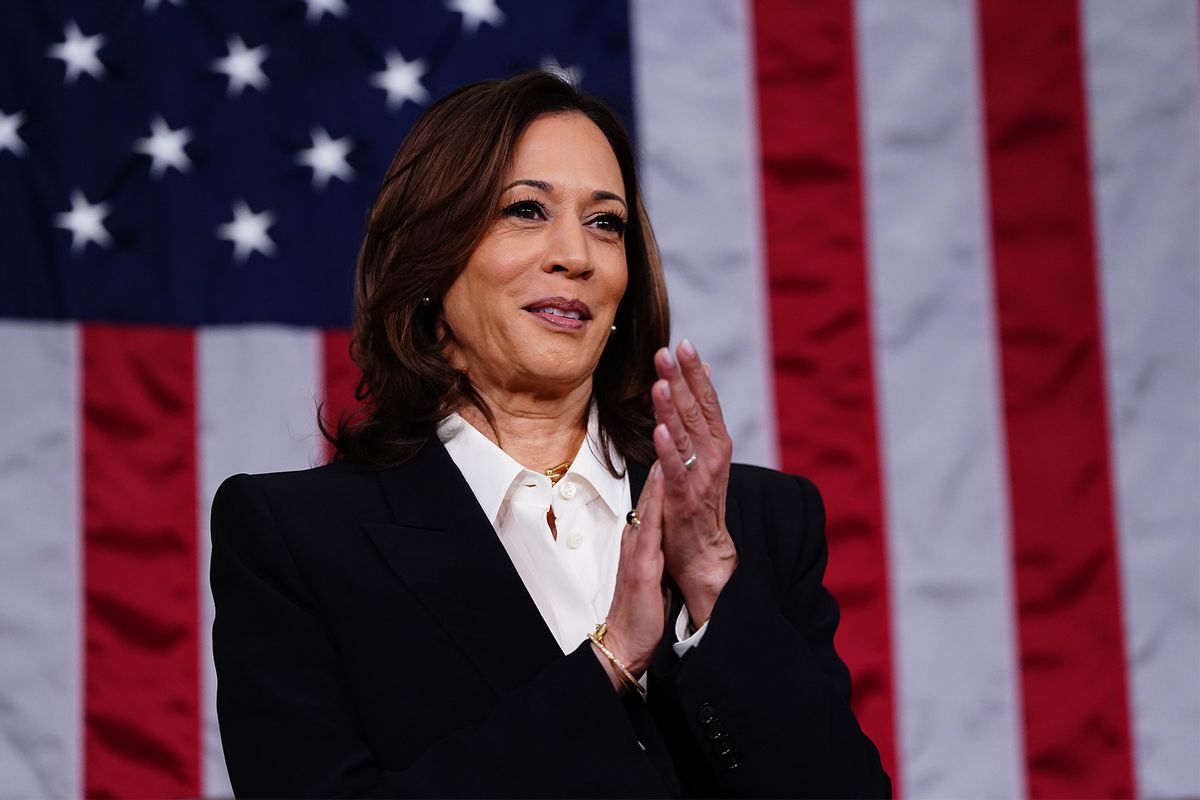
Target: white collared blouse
<point>571,577</point>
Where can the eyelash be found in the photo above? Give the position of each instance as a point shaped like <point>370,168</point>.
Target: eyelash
<point>512,209</point>
<point>616,222</point>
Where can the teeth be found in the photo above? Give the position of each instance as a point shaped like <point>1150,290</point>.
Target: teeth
<point>558,312</point>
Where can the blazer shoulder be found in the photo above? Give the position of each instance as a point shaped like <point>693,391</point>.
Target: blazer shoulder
<point>340,492</point>
<point>319,482</point>
<point>754,482</point>
<point>782,514</point>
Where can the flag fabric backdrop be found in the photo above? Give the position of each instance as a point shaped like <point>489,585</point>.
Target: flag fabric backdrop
<point>942,254</point>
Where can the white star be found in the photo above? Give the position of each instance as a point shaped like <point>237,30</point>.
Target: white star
<point>9,138</point>
<point>79,53</point>
<point>572,75</point>
<point>401,80</point>
<point>318,8</point>
<point>85,222</point>
<point>243,65</point>
<point>165,148</point>
<point>327,157</point>
<point>248,231</point>
<point>152,5</point>
<point>477,12</point>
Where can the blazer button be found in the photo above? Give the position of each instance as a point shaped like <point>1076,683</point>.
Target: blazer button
<point>730,762</point>
<point>714,730</point>
<point>706,714</point>
<point>725,749</point>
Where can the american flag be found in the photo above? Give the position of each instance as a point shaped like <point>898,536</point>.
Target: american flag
<point>944,256</point>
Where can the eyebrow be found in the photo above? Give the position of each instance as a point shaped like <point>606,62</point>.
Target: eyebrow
<point>548,188</point>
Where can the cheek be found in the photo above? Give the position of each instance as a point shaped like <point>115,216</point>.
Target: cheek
<point>498,264</point>
<point>488,272</point>
<point>619,280</point>
<point>623,280</point>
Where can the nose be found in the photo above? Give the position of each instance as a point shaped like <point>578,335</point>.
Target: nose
<point>567,249</point>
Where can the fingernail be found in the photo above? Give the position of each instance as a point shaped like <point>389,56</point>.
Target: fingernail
<point>670,359</point>
<point>687,348</point>
<point>655,471</point>
<point>661,430</point>
<point>666,390</point>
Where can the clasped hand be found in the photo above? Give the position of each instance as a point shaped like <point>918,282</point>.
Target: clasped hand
<point>694,451</point>
<point>682,512</point>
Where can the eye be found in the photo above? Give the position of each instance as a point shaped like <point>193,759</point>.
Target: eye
<point>525,209</point>
<point>610,222</point>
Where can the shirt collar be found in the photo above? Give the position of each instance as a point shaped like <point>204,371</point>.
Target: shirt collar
<point>590,467</point>
<point>491,472</point>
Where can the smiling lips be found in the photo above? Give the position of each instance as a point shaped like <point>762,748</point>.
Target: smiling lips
<point>560,312</point>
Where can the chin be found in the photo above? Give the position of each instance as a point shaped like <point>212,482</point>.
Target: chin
<point>548,370</point>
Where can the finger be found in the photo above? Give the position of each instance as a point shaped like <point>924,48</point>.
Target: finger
<point>675,474</point>
<point>697,375</point>
<point>650,511</point>
<point>666,413</point>
<point>681,395</point>
<point>643,507</point>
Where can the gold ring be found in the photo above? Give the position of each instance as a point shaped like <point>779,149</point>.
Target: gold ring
<point>632,518</point>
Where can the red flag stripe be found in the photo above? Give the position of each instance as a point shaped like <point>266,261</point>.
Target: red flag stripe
<point>341,378</point>
<point>141,695</point>
<point>1068,595</point>
<point>820,319</point>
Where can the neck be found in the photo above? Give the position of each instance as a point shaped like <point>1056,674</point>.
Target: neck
<point>538,432</point>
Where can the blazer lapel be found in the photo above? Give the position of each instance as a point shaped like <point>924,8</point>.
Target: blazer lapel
<point>637,479</point>
<point>446,552</point>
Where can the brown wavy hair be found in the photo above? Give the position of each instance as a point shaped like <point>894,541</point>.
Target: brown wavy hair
<point>440,196</point>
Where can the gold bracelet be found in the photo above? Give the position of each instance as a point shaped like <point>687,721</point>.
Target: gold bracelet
<point>597,638</point>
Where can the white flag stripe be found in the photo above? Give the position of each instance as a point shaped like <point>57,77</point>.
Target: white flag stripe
<point>1142,94</point>
<point>957,673</point>
<point>257,413</point>
<point>698,134</point>
<point>40,569</point>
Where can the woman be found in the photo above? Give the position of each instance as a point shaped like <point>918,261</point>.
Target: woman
<point>423,616</point>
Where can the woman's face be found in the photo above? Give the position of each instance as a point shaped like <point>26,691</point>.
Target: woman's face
<point>533,307</point>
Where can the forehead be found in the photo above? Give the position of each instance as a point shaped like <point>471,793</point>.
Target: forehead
<point>566,149</point>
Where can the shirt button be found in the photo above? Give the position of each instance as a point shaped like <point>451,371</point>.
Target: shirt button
<point>566,490</point>
<point>575,540</point>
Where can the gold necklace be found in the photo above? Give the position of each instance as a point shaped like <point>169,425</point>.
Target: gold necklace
<point>558,471</point>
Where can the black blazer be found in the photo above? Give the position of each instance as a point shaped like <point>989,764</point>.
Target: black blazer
<point>372,638</point>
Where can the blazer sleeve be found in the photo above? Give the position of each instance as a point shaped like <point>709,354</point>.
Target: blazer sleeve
<point>288,728</point>
<point>764,697</point>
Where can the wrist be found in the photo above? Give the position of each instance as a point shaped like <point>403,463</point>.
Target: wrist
<point>615,678</point>
<point>623,673</point>
<point>701,588</point>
